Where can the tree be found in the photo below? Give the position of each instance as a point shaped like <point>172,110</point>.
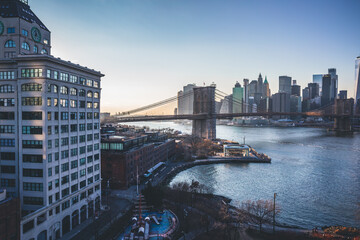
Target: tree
<point>260,211</point>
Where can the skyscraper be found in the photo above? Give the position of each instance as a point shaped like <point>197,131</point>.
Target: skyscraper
<point>326,90</point>
<point>50,128</point>
<point>246,95</point>
<point>285,84</point>
<point>357,81</point>
<point>266,88</point>
<point>295,89</point>
<point>186,99</point>
<point>238,93</point>
<point>334,84</point>
<point>260,86</point>
<point>317,78</point>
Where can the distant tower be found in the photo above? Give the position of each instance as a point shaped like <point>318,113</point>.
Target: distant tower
<point>266,88</point>
<point>260,86</point>
<point>334,83</point>
<point>326,90</point>
<point>246,95</point>
<point>357,82</point>
<point>238,93</point>
<point>285,84</point>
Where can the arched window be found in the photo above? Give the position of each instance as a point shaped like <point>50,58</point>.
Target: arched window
<point>89,94</point>
<point>55,88</point>
<point>31,87</point>
<point>64,90</point>
<point>43,51</point>
<point>7,88</point>
<point>25,46</point>
<point>73,91</point>
<point>82,93</point>
<point>36,49</point>
<point>96,95</point>
<point>10,44</point>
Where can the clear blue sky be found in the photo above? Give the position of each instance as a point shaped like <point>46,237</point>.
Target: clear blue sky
<point>149,49</point>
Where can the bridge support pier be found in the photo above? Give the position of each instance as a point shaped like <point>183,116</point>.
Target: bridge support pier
<point>344,107</point>
<point>204,103</point>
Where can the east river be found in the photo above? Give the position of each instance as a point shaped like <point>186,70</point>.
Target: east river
<point>315,174</point>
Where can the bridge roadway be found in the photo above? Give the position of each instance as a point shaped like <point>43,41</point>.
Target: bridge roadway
<point>220,116</point>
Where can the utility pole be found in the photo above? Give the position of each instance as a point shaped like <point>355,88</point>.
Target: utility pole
<point>274,213</point>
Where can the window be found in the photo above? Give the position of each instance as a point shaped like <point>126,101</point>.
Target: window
<point>90,180</point>
<point>32,144</point>
<point>74,200</point>
<point>24,32</point>
<point>49,144</point>
<point>33,201</point>
<point>7,129</point>
<point>89,82</point>
<point>74,176</point>
<point>43,51</point>
<point>49,102</point>
<point>7,142</point>
<point>82,81</point>
<point>64,90</point>
<point>82,195</point>
<point>96,105</point>
<point>74,164</point>
<point>97,177</point>
<point>50,185</point>
<point>32,158</point>
<point>31,101</point>
<point>48,75</point>
<point>7,75</point>
<point>65,167</point>
<point>57,184</point>
<point>73,79</point>
<point>66,204</point>
<point>73,116</point>
<point>31,72</point>
<point>96,136</point>
<point>82,104</point>
<point>96,84</point>
<point>82,161</point>
<point>74,152</point>
<point>25,46</point>
<point>49,157</point>
<point>82,138</point>
<point>64,102</point>
<point>64,77</point>
<point>73,103</point>
<point>55,88</point>
<point>7,115</point>
<point>89,115</point>
<point>96,146</point>
<point>73,127</point>
<point>89,137</point>
<point>74,140</point>
<point>64,179</point>
<point>90,169</point>
<point>81,127</point>
<point>64,128</point>
<point>82,172</point>
<point>11,30</point>
<point>36,49</point>
<point>31,130</point>
<point>97,167</point>
<point>89,94</point>
<point>7,88</point>
<point>65,141</point>
<point>96,95</point>
<point>82,93</point>
<point>64,116</point>
<point>8,169</point>
<point>46,42</point>
<point>32,172</point>
<point>64,154</point>
<point>56,102</point>
<point>89,105</point>
<point>81,115</point>
<point>74,188</point>
<point>32,115</point>
<point>83,184</point>
<point>31,87</point>
<point>49,172</point>
<point>49,130</point>
<point>82,150</point>
<point>89,126</point>
<point>89,159</point>
<point>89,148</point>
<point>7,156</point>
<point>10,44</point>
<point>7,102</point>
<point>7,182</point>
<point>56,117</point>
<point>36,187</point>
<point>73,91</point>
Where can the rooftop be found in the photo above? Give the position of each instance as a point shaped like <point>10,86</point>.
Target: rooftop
<point>19,8</point>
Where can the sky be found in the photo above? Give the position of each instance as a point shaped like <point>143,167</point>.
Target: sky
<point>149,49</point>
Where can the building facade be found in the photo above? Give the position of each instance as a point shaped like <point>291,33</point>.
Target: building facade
<point>50,128</point>
<point>285,84</point>
<point>238,95</point>
<point>186,100</point>
<point>9,217</point>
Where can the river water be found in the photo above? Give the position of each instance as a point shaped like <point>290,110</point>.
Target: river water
<point>315,174</point>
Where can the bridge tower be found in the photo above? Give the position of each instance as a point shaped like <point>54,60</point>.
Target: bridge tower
<point>343,107</point>
<point>204,103</point>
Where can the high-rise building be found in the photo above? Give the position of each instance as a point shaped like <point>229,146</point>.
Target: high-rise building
<point>260,86</point>
<point>317,78</point>
<point>357,82</point>
<point>295,89</point>
<point>186,100</point>
<point>334,84</point>
<point>326,90</point>
<point>50,128</point>
<point>285,84</point>
<point>266,89</point>
<point>238,93</point>
<point>227,104</point>
<point>295,103</point>
<point>281,102</point>
<point>343,94</point>
<point>313,90</point>
<point>246,95</point>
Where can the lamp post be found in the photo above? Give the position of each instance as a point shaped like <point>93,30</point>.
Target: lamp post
<point>274,213</point>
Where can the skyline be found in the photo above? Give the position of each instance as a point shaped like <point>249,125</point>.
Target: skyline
<point>160,46</point>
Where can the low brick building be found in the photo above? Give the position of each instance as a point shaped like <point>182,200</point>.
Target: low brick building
<point>9,217</point>
<point>122,157</point>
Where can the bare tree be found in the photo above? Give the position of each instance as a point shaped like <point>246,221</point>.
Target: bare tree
<point>260,211</point>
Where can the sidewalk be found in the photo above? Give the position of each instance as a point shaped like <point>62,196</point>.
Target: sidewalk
<point>91,228</point>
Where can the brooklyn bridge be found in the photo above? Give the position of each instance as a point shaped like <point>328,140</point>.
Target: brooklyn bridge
<point>204,113</point>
